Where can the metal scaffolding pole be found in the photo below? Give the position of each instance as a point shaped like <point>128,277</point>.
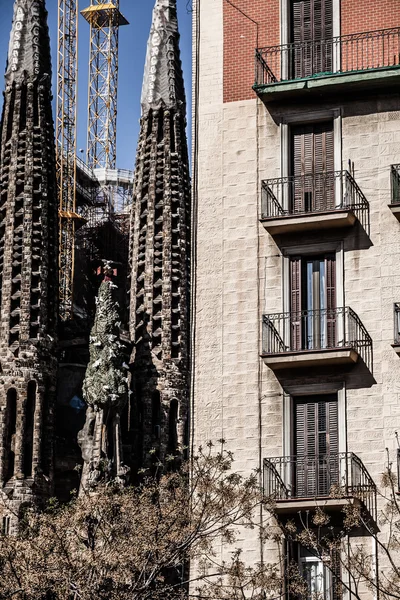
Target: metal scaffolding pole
<point>66,117</point>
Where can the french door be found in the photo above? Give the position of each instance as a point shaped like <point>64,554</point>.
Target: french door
<point>313,315</point>
<point>316,445</point>
<point>313,188</point>
<point>312,35</point>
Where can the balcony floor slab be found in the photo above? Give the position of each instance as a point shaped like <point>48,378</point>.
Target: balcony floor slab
<point>310,358</point>
<point>294,505</point>
<point>309,222</point>
<point>329,83</point>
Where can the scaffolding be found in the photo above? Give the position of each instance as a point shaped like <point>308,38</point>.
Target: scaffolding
<point>66,115</point>
<point>94,197</point>
<point>105,20</point>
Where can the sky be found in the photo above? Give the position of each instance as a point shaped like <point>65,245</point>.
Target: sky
<point>132,52</point>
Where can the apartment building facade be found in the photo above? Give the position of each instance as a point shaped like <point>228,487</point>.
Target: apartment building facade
<point>296,288</point>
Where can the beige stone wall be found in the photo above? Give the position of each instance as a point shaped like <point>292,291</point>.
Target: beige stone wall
<point>239,270</point>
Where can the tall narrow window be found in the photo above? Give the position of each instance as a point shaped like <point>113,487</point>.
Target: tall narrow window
<point>45,445</point>
<point>313,302</point>
<point>316,446</point>
<point>312,33</point>
<point>316,574</point>
<point>9,433</point>
<point>156,414</point>
<point>29,428</point>
<point>312,167</point>
<point>172,426</point>
<point>321,572</point>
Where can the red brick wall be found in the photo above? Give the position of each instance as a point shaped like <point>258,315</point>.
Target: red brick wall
<point>240,35</point>
<point>240,42</point>
<point>368,15</point>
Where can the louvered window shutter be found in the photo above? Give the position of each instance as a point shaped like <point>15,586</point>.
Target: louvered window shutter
<point>313,167</point>
<point>305,446</point>
<point>335,567</point>
<point>303,168</point>
<point>331,317</point>
<point>302,36</point>
<point>316,446</point>
<point>312,34</point>
<point>295,304</point>
<point>323,160</point>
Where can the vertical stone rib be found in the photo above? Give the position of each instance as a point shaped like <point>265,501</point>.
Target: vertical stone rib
<point>28,252</point>
<point>160,236</point>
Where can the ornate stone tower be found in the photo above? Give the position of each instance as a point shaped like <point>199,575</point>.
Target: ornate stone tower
<point>28,262</point>
<point>160,250</point>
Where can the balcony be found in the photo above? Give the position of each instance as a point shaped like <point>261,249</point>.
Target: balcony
<point>312,202</point>
<point>395,185</point>
<point>315,338</point>
<point>345,63</point>
<point>331,481</point>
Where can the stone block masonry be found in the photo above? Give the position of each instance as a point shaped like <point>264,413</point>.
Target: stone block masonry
<point>160,254</point>
<point>28,264</point>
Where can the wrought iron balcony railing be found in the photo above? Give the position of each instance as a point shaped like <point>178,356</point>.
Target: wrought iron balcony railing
<point>342,54</point>
<point>309,330</point>
<point>340,475</point>
<point>314,193</point>
<point>397,323</point>
<point>395,181</point>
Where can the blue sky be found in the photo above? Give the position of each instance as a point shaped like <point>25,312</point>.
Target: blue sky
<point>133,40</point>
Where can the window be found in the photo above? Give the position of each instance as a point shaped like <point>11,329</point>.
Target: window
<point>315,445</point>
<point>9,433</point>
<point>30,407</point>
<point>313,302</point>
<point>312,32</point>
<point>312,168</point>
<point>156,414</point>
<point>316,574</point>
<point>172,426</point>
<point>6,525</point>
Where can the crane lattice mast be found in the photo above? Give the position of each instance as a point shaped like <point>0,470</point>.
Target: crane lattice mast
<point>105,20</point>
<point>66,147</point>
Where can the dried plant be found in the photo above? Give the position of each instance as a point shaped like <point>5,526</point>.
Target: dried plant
<point>137,543</point>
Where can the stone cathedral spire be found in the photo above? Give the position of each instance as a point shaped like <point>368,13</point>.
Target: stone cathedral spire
<point>28,261</point>
<point>160,250</point>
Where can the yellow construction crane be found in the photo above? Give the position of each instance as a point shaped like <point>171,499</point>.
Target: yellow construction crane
<point>66,115</point>
<point>105,20</point>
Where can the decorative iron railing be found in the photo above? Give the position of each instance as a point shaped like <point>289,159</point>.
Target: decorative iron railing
<point>398,470</point>
<point>397,323</point>
<point>340,475</point>
<point>342,54</point>
<point>313,193</point>
<point>316,330</point>
<point>395,183</point>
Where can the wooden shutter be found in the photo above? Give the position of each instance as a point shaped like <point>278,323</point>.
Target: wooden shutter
<point>312,30</point>
<point>313,167</point>
<point>316,446</point>
<point>301,35</point>
<point>331,316</point>
<point>295,304</point>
